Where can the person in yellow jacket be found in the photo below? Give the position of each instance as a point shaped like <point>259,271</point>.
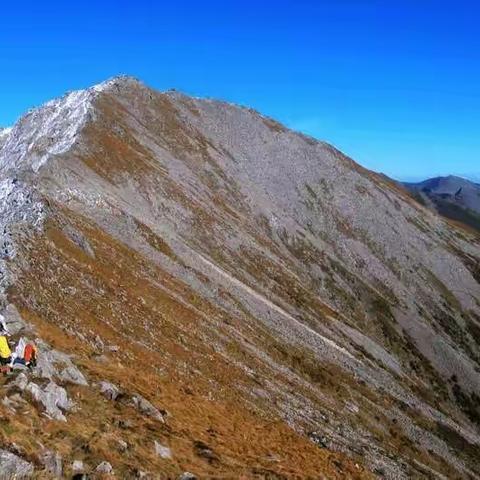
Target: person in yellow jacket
<point>5,352</point>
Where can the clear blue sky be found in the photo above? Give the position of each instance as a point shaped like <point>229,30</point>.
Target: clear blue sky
<point>394,84</point>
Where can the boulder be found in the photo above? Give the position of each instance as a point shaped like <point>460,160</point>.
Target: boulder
<point>145,407</point>
<point>52,364</point>
<point>72,374</point>
<point>13,319</point>
<point>53,398</point>
<point>14,467</point>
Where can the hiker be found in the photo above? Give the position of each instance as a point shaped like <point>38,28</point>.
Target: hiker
<point>24,354</point>
<point>30,355</point>
<point>17,356</point>
<point>5,352</point>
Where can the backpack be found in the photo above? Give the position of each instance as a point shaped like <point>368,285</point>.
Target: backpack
<point>30,355</point>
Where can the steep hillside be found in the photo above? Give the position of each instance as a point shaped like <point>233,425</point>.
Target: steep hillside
<point>286,313</point>
<point>453,197</point>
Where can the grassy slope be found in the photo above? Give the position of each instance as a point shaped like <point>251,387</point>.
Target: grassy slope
<point>166,354</point>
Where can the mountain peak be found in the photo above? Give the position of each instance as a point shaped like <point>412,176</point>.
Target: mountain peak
<point>45,131</point>
<point>118,81</point>
<point>52,128</point>
<point>235,264</point>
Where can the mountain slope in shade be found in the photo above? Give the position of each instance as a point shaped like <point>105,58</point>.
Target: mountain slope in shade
<point>292,314</point>
<point>454,197</point>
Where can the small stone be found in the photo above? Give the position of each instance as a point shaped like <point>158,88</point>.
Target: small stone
<point>319,439</point>
<point>162,451</point>
<point>78,466</point>
<point>109,390</point>
<point>203,450</point>
<point>101,358</point>
<point>105,468</point>
<point>187,476</point>
<point>124,424</point>
<point>122,445</point>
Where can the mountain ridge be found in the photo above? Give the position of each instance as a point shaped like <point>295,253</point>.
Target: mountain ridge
<point>299,284</point>
<point>454,197</point>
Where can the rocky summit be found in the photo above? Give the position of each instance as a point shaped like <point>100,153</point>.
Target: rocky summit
<point>213,295</point>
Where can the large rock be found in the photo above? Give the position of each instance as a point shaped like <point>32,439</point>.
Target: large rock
<point>13,467</point>
<point>15,322</point>
<point>53,398</point>
<point>20,382</point>
<point>72,374</point>
<point>53,364</point>
<point>145,407</point>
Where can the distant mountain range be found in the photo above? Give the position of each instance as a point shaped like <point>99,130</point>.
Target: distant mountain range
<point>453,197</point>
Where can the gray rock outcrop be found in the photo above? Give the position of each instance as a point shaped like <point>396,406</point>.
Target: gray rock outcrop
<point>13,467</point>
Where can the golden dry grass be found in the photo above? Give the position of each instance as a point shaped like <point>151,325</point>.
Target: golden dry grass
<point>164,355</point>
